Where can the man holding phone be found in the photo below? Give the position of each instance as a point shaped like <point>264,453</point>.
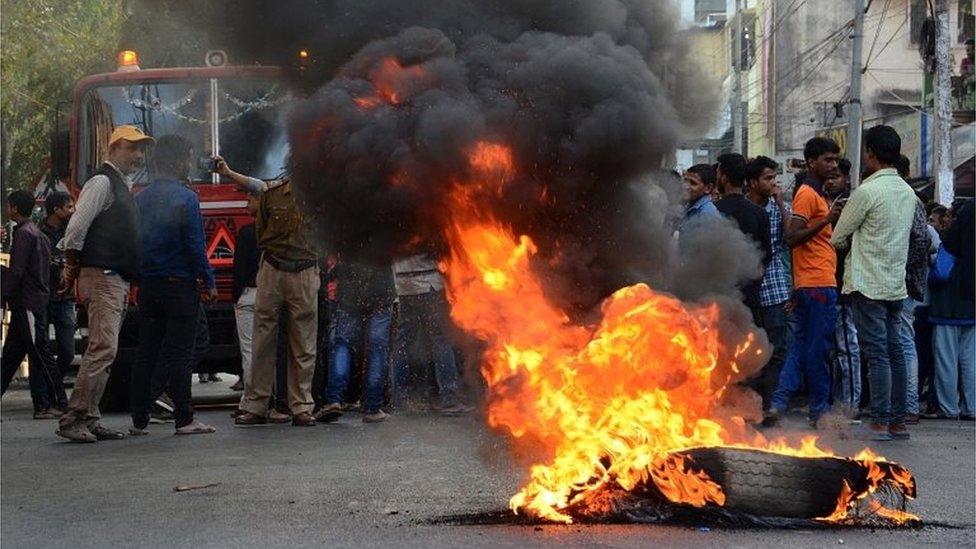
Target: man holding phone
<point>814,283</point>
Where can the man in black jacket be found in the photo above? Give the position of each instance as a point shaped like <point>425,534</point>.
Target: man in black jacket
<point>101,251</point>
<point>25,293</point>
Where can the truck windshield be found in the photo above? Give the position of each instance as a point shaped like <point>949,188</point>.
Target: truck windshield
<point>250,118</point>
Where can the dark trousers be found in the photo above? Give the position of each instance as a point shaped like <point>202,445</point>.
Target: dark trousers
<point>201,344</point>
<point>425,318</point>
<point>168,318</point>
<point>775,321</point>
<point>61,315</point>
<point>26,337</point>
<point>325,336</point>
<point>926,360</point>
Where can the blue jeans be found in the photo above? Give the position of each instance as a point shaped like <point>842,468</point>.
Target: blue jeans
<point>879,331</point>
<point>425,317</point>
<point>907,333</point>
<point>815,311</point>
<point>776,322</point>
<point>847,360</point>
<point>348,328</point>
<point>955,368</point>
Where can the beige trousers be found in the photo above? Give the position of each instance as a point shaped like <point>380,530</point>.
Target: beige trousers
<point>105,297</point>
<point>296,295</point>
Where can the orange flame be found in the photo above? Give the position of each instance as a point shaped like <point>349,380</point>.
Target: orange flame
<point>391,82</point>
<point>608,402</point>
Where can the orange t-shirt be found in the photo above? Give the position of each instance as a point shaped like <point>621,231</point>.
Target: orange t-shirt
<point>814,261</point>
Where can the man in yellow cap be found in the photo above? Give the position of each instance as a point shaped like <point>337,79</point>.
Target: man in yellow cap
<point>101,252</point>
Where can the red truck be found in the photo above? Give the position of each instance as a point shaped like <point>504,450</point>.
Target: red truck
<point>234,111</point>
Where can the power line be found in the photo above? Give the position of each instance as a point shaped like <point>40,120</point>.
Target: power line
<point>877,32</point>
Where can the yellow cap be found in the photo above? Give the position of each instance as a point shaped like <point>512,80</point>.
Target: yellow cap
<point>129,133</point>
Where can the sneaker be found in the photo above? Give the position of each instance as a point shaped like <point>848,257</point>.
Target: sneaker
<point>771,418</point>
<point>303,419</point>
<point>50,413</point>
<point>898,432</point>
<point>137,432</point>
<point>203,378</point>
<point>161,418</point>
<point>238,386</point>
<point>196,428</point>
<point>76,432</point>
<point>165,403</point>
<point>104,433</point>
<point>912,419</point>
<point>274,416</point>
<point>247,419</point>
<point>874,432</point>
<point>214,378</point>
<point>937,415</point>
<point>329,413</point>
<point>375,417</point>
<point>455,409</point>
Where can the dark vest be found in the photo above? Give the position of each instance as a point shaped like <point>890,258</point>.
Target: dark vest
<point>112,241</point>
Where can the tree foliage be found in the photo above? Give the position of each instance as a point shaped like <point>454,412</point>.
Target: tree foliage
<point>47,46</point>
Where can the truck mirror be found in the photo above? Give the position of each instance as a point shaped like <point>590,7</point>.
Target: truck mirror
<point>60,154</point>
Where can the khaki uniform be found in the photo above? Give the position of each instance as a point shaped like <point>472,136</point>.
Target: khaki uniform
<point>288,281</point>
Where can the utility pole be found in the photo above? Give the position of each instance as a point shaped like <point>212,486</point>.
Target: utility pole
<point>944,184</point>
<point>736,107</point>
<point>854,113</point>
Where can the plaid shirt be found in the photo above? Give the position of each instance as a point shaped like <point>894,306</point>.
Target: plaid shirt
<point>776,283</point>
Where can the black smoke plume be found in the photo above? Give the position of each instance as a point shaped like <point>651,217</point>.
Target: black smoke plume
<point>591,97</point>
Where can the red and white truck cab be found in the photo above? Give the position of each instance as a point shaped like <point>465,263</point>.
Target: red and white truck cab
<point>234,111</point>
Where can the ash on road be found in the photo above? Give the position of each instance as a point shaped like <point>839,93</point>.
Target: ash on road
<point>351,484</point>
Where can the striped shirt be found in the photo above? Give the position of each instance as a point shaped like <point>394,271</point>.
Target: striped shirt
<point>878,218</point>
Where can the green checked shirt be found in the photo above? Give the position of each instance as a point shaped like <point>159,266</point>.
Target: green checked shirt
<point>878,220</point>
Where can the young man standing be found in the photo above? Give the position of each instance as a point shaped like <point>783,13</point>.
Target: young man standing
<point>750,218</point>
<point>814,283</point>
<point>699,182</point>
<point>878,219</point>
<point>365,309</point>
<point>247,259</point>
<point>774,291</point>
<point>953,315</point>
<point>846,352</point>
<point>101,253</point>
<point>25,294</point>
<point>60,308</point>
<point>174,258</point>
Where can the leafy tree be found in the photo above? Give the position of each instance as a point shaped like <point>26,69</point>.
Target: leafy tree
<point>47,46</point>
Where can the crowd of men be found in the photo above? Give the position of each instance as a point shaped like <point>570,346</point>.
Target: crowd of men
<point>304,322</point>
<point>870,275</point>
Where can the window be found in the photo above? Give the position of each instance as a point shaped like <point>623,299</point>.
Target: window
<point>965,22</point>
<point>918,13</point>
<point>704,8</point>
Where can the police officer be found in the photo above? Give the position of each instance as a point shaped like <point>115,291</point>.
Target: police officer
<point>287,281</point>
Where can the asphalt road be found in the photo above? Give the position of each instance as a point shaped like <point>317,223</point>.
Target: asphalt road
<point>351,484</point>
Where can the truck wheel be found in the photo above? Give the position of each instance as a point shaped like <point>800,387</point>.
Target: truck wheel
<point>775,485</point>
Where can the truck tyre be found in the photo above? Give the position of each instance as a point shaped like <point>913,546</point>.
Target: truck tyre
<point>775,485</point>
